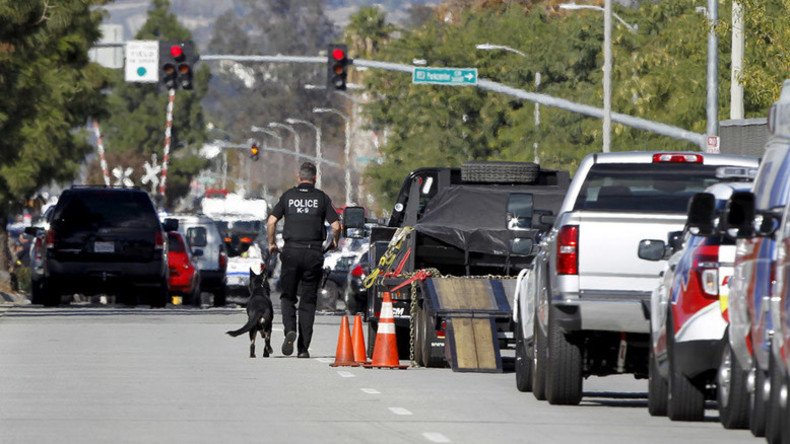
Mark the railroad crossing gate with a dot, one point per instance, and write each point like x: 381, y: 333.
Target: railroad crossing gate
x: 471, y: 307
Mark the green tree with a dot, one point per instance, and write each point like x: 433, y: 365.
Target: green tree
x: 49, y: 89
x: 137, y: 122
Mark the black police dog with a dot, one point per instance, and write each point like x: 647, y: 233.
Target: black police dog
x: 259, y: 313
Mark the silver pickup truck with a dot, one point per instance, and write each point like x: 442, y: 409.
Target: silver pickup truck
x: 584, y: 307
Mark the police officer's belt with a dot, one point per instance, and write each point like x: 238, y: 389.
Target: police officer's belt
x: 305, y: 244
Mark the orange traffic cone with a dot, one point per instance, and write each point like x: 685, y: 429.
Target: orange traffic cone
x: 344, y: 355
x: 358, y: 340
x: 385, y: 352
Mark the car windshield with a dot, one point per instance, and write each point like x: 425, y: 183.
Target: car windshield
x: 106, y: 209
x: 652, y: 188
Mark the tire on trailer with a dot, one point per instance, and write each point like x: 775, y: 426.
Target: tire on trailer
x: 432, y: 356
x: 417, y: 322
x: 731, y: 393
x: 499, y: 172
x: 657, y: 388
x: 539, y: 363
x: 372, y: 328
x: 523, y: 361
x: 564, y: 367
x: 686, y: 400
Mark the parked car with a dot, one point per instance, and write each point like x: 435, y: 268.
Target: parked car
x: 687, y: 321
x: 590, y: 292
x: 355, y: 294
x: 105, y: 240
x: 184, y: 278
x: 208, y: 249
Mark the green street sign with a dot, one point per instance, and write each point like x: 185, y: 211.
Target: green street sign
x: 445, y: 76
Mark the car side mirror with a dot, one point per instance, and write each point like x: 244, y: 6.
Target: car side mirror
x: 170, y: 224
x: 33, y: 231
x: 547, y: 219
x: 197, y: 252
x: 354, y: 222
x: 675, y: 241
x: 521, y: 246
x: 739, y: 215
x: 652, y: 249
x: 701, y: 213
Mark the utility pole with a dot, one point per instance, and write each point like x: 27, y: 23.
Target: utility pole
x: 607, y: 75
x: 712, y: 111
x: 537, y: 121
x: 736, y: 88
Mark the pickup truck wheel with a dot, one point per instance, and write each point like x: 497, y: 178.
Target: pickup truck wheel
x: 564, y: 370
x: 220, y: 297
x: 757, y: 402
x: 686, y: 400
x: 731, y: 394
x: 657, y: 388
x: 51, y: 297
x: 159, y: 296
x: 523, y: 361
x: 37, y: 292
x: 773, y: 420
x: 539, y: 363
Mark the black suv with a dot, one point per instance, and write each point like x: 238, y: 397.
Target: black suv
x: 105, y: 240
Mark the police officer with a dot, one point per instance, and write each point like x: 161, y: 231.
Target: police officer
x: 305, y: 208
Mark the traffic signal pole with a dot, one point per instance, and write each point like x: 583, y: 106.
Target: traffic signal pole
x: 171, y: 98
x: 543, y: 99
x: 100, y: 149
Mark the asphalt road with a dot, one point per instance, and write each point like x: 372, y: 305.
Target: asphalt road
x: 102, y: 374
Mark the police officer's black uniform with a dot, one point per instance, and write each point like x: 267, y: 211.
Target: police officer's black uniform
x: 305, y: 208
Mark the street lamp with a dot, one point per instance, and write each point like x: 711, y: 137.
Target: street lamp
x: 346, y: 150
x: 492, y: 47
x: 317, y: 130
x: 607, y: 63
x: 257, y: 129
x: 291, y: 129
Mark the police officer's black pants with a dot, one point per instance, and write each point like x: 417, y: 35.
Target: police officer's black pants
x: 305, y: 265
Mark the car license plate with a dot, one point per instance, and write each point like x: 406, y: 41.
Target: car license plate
x: 104, y: 247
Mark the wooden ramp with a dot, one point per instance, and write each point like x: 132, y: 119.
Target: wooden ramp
x: 471, y: 308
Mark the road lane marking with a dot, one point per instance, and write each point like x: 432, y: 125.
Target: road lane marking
x: 371, y: 391
x: 325, y: 360
x: 345, y: 374
x: 400, y: 411
x: 435, y: 437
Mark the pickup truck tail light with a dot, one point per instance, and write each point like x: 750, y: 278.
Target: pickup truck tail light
x: 677, y: 158
x: 223, y: 261
x: 50, y: 240
x: 706, y: 262
x: 568, y: 250
x: 159, y: 241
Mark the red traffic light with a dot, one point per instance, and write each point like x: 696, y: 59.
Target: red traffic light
x: 338, y: 54
x: 176, y: 51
